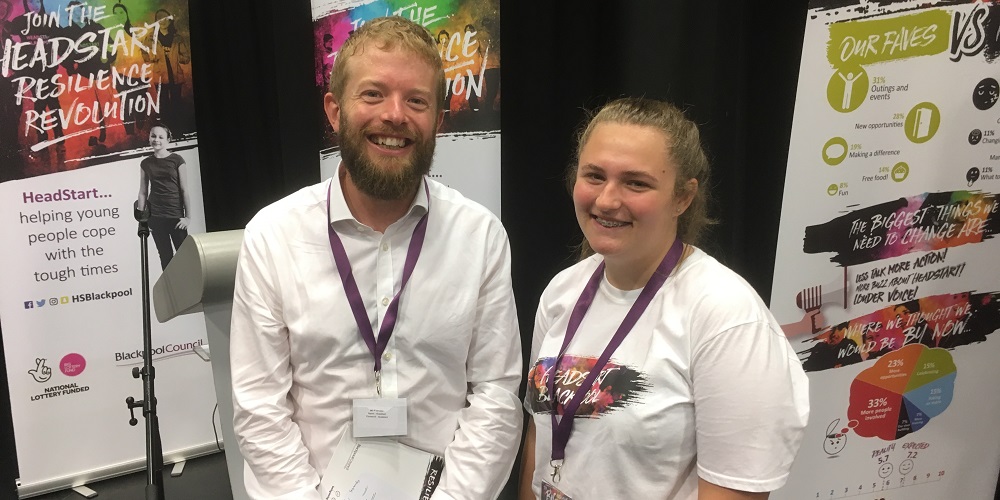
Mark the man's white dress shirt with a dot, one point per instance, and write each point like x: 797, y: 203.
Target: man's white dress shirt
x: 298, y: 360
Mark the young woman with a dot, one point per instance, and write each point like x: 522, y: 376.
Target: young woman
x: 163, y: 186
x: 656, y: 372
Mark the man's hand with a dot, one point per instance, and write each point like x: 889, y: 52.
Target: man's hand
x: 41, y: 373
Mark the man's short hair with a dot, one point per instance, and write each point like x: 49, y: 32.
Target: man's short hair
x: 387, y: 33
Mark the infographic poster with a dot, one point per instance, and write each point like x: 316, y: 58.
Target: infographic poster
x: 96, y: 113
x: 886, y: 280
x: 467, y: 32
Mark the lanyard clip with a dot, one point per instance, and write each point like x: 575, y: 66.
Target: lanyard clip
x: 378, y: 382
x: 556, y: 465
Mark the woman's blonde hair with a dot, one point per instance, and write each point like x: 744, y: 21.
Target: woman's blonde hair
x: 684, y: 147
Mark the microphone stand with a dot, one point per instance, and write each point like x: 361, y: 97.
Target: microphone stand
x: 154, y: 449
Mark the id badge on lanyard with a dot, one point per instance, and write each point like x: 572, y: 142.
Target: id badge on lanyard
x: 562, y: 428
x: 550, y: 492
x: 377, y: 417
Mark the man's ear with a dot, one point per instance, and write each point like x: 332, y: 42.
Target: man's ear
x: 440, y: 124
x: 332, y: 108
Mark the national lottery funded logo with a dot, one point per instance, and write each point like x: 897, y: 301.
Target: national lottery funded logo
x: 78, y: 298
x: 70, y: 365
x: 40, y: 372
x: 56, y: 391
x: 124, y: 358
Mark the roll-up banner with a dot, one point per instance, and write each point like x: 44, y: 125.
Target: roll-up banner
x: 885, y: 278
x: 467, y: 156
x: 96, y: 112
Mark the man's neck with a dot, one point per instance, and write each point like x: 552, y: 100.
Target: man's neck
x: 372, y: 212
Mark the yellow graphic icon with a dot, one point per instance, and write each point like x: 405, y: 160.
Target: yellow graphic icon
x: 922, y: 122
x: 847, y: 88
x: 900, y: 171
x: 834, y: 151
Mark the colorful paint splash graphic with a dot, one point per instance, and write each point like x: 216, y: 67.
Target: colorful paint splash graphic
x: 930, y: 221
x: 945, y: 321
x: 81, y: 82
x: 616, y: 387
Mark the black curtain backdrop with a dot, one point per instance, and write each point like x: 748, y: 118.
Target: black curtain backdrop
x: 732, y: 65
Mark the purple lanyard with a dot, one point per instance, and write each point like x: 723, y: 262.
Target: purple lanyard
x: 562, y: 428
x: 376, y: 347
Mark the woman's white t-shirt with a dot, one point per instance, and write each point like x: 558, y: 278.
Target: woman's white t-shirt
x: 705, y: 384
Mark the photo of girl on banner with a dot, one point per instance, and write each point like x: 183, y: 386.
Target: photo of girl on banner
x: 163, y: 187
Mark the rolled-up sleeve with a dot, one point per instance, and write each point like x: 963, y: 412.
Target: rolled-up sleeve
x: 277, y: 461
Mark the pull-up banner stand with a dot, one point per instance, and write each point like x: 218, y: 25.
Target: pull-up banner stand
x: 886, y: 278
x: 96, y: 112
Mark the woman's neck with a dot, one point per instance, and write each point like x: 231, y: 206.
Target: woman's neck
x: 632, y: 275
x: 163, y: 153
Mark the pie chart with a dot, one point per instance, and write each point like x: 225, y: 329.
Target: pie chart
x: 902, y: 392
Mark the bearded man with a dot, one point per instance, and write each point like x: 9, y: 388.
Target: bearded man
x: 377, y: 286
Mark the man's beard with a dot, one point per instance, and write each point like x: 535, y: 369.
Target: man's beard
x: 395, y: 178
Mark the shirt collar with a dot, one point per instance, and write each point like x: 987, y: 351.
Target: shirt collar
x: 339, y: 210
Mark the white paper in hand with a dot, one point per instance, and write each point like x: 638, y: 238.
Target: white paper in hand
x: 380, y: 468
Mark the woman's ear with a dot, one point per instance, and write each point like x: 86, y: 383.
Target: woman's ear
x: 686, y: 196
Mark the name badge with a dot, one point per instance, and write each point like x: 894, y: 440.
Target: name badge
x: 379, y: 417
x: 550, y: 492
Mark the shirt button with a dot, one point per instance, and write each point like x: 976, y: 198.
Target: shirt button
x: 385, y: 247
x: 385, y: 301
x: 387, y: 356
